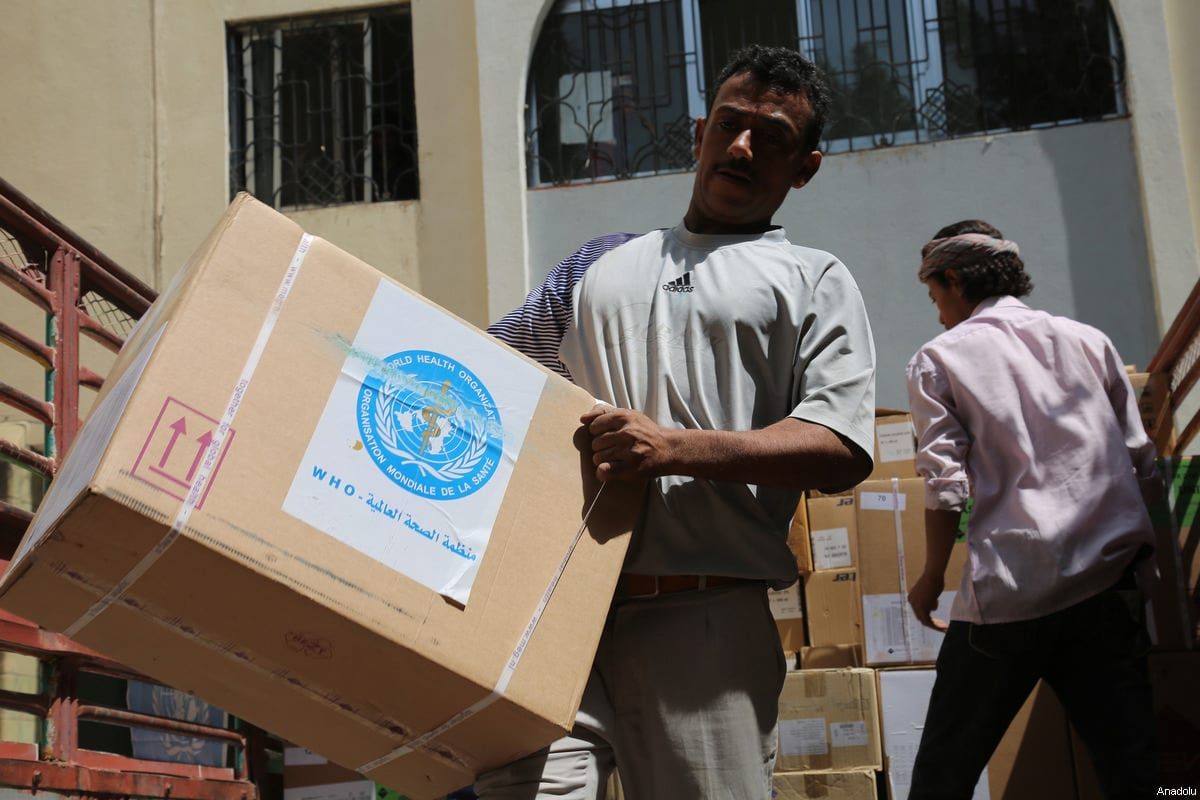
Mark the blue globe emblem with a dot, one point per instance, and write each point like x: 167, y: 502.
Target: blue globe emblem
x: 430, y: 425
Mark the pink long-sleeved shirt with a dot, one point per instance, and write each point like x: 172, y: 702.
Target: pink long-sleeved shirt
x: 1033, y: 417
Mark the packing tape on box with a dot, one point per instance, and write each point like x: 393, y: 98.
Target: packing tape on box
x: 900, y: 565
x: 205, y: 470
x: 422, y: 741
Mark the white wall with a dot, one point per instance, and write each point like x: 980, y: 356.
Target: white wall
x: 1079, y: 226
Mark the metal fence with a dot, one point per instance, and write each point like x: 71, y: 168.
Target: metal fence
x: 615, y: 85
x: 322, y: 109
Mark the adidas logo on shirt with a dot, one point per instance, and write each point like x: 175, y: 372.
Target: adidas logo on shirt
x: 681, y: 284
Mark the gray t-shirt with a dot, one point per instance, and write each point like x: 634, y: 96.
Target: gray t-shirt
x: 709, y: 332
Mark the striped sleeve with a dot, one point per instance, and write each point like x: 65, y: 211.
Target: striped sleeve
x: 537, y: 327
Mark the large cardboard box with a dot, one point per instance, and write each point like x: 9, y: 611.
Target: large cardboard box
x: 833, y: 607
x: 891, y: 547
x: 832, y: 531
x: 828, y: 720
x: 892, y: 555
x: 853, y: 784
x: 1033, y: 760
x: 323, y: 504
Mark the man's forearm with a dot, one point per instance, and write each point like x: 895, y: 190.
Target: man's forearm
x: 789, y: 453
x: 941, y: 529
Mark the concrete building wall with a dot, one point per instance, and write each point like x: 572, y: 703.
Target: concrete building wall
x: 1080, y: 228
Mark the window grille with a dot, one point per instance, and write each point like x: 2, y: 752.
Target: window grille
x: 615, y: 84
x: 321, y: 109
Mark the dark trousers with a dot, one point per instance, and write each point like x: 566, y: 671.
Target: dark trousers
x: 1094, y: 657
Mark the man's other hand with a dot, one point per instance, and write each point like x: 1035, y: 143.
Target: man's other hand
x: 923, y: 597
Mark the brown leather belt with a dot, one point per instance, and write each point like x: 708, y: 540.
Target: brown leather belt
x: 634, y: 586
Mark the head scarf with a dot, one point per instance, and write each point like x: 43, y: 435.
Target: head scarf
x: 939, y: 255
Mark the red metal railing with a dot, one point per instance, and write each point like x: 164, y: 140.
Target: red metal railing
x: 72, y: 279
x: 1178, y: 356
x: 82, y: 294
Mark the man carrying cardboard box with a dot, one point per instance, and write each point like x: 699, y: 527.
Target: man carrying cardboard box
x: 734, y: 370
x: 1032, y: 416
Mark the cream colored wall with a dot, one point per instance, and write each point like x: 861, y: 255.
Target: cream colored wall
x: 192, y: 187
x: 1173, y: 257
x: 1183, y: 29
x: 76, y: 91
x: 123, y: 136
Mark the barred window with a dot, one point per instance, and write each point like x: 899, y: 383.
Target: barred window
x: 615, y: 84
x: 321, y: 109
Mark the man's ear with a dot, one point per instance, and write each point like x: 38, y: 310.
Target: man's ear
x: 806, y: 169
x: 698, y: 137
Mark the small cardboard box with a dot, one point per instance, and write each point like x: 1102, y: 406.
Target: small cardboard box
x: 832, y: 531
x: 852, y: 784
x: 891, y: 547
x: 828, y: 720
x: 833, y: 607
x: 316, y: 500
x: 895, y: 446
x: 1032, y: 760
x: 787, y: 606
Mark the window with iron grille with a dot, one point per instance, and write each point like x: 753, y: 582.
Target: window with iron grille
x: 321, y: 109
x: 615, y: 84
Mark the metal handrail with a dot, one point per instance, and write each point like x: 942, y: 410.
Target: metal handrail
x: 73, y: 271
x: 72, y: 279
x: 1178, y: 356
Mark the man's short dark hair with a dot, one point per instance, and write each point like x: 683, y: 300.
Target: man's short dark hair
x: 1001, y: 274
x: 784, y: 70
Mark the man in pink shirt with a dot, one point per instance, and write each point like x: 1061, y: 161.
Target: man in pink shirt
x: 1032, y: 417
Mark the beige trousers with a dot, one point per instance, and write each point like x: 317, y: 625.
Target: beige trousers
x: 683, y: 701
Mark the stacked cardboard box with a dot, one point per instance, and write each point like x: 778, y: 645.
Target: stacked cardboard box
x: 895, y: 445
x: 829, y: 744
x: 891, y: 543
x: 787, y: 605
x: 850, y: 784
x: 321, y: 503
x: 1031, y: 761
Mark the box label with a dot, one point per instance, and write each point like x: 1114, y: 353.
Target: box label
x: 302, y: 757
x: 803, y: 737
x: 884, y: 629
x: 848, y: 734
x: 831, y: 548
x: 883, y: 501
x: 413, y: 453
x: 896, y: 441
x: 177, y: 442
x: 786, y: 603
